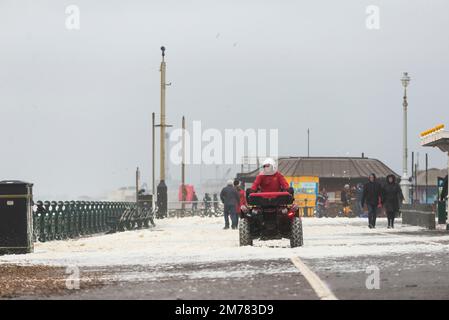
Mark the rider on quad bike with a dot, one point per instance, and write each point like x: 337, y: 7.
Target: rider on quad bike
x: 270, y: 180
x: 270, y: 213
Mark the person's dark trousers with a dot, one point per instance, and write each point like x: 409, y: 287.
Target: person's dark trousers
x: 232, y: 211
x: 372, y: 215
x: 391, y: 216
x: 235, y: 219
x: 229, y: 210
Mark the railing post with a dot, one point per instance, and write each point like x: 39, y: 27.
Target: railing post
x: 68, y: 219
x: 54, y: 220
x: 61, y: 221
x: 78, y: 217
x: 89, y: 218
x: 48, y: 220
x: 82, y: 219
x: 73, y: 220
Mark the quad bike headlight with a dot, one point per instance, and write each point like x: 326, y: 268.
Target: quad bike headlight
x: 284, y: 211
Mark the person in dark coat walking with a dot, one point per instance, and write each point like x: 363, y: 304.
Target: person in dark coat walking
x: 194, y: 202
x: 231, y: 199
x: 321, y: 201
x: 206, y: 200
x: 444, y: 191
x: 242, y: 201
x: 392, y: 198
x: 372, y: 197
x: 345, y: 198
x: 358, y: 201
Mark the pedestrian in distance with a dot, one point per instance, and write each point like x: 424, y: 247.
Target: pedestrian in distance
x: 321, y: 200
x: 358, y: 199
x: 444, y: 191
x: 392, y: 198
x: 242, y: 201
x: 231, y: 199
x: 345, y: 198
x: 372, y: 196
x: 194, y: 202
x: 207, y: 204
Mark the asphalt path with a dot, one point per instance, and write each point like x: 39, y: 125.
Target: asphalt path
x: 331, y: 265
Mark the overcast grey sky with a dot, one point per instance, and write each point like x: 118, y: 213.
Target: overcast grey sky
x: 75, y: 105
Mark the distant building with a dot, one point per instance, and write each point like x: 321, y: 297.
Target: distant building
x: 127, y: 194
x: 311, y: 174
x: 86, y: 198
x: 419, y: 188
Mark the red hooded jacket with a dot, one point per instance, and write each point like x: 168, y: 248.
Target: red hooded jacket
x: 270, y: 183
x: 242, y: 200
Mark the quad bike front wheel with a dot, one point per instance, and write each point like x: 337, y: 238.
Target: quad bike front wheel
x: 245, y: 233
x: 296, y: 238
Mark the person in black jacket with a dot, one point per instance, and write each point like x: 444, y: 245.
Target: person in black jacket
x: 194, y: 202
x: 231, y: 199
x: 444, y: 191
x: 358, y: 196
x: 345, y: 200
x: 345, y: 196
x: 392, y: 198
x: 372, y: 197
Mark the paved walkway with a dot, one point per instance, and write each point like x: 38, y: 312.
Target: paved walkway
x: 193, y: 258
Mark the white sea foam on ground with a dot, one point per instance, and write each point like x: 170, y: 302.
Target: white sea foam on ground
x: 202, y: 240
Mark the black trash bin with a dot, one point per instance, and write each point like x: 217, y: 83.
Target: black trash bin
x: 16, y: 217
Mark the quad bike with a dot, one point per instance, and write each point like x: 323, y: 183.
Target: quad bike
x: 270, y: 215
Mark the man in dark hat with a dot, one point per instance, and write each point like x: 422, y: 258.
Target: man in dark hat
x: 372, y: 197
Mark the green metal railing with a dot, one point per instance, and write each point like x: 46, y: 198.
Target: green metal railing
x: 73, y: 219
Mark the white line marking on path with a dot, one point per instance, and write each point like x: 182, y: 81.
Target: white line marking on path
x: 320, y: 288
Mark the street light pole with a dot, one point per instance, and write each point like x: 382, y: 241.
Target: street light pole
x: 153, y: 184
x: 405, y: 184
x: 137, y: 183
x: 162, y: 137
x: 183, y: 167
x: 162, y: 200
x: 308, y: 142
x: 427, y: 177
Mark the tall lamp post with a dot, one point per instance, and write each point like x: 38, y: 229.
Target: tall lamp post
x: 153, y: 156
x: 183, y: 167
x: 308, y: 142
x: 405, y: 183
x: 162, y: 201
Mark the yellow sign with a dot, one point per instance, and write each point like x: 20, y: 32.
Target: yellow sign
x: 433, y: 130
x: 306, y: 189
